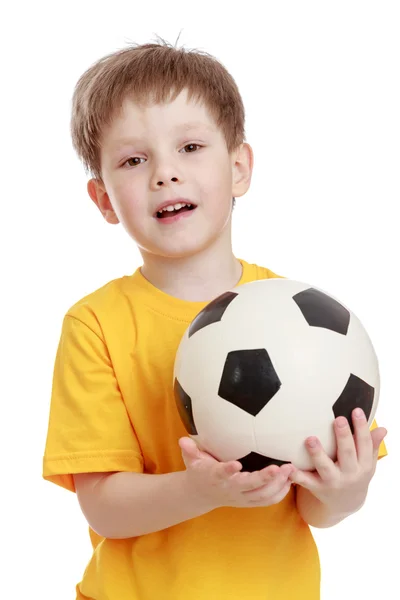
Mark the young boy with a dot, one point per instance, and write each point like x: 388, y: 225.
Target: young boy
x: 162, y: 132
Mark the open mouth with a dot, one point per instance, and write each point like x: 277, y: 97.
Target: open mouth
x: 171, y: 211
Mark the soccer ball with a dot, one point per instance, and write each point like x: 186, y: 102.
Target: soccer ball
x: 266, y: 365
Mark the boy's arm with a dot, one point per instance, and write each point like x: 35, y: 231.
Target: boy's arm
x: 125, y: 504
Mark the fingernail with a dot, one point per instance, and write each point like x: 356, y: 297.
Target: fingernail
x: 341, y: 422
x: 312, y: 442
x: 358, y: 413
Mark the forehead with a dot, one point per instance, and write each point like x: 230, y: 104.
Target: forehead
x: 136, y: 122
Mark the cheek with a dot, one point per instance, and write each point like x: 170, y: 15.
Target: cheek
x: 218, y: 182
x: 129, y: 201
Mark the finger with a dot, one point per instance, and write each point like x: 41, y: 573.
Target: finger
x: 324, y: 466
x: 377, y: 435
x: 273, y: 484
x: 273, y: 470
x: 268, y: 495
x: 192, y: 454
x: 228, y: 469
x: 346, y: 449
x: 189, y: 447
x: 279, y: 496
x: 287, y: 469
x: 362, y: 439
x: 249, y: 481
x: 190, y: 450
x: 307, y: 479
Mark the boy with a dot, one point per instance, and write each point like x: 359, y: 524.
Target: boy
x: 167, y: 520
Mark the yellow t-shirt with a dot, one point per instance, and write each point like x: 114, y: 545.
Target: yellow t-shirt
x: 113, y: 409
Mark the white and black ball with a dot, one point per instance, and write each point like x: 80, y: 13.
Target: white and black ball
x: 266, y: 365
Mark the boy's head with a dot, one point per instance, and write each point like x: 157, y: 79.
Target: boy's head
x: 154, y: 124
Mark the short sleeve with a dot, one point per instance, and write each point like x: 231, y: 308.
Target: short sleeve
x: 382, y: 448
x: 89, y: 429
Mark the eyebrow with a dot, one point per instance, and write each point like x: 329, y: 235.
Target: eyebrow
x: 182, y: 127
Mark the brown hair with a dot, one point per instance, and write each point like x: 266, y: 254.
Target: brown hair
x: 154, y: 72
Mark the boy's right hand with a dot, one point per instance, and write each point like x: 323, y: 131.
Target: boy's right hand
x: 222, y: 484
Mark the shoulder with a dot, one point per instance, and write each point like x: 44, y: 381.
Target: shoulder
x: 104, y: 303
x: 255, y: 272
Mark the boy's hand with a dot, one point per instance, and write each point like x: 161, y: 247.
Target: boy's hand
x: 343, y: 485
x: 222, y: 484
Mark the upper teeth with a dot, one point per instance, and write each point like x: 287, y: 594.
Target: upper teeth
x: 172, y: 207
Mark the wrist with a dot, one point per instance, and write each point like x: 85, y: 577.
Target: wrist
x: 318, y: 513
x: 348, y: 505
x: 201, y: 501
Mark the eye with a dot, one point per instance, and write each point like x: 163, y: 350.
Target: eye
x: 133, y: 158
x: 188, y: 146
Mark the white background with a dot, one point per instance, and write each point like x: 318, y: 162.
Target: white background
x: 320, y: 83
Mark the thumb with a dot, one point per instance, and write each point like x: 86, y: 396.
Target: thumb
x: 378, y: 434
x: 190, y: 450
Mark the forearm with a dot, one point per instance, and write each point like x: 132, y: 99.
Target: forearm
x: 133, y: 504
x: 319, y: 515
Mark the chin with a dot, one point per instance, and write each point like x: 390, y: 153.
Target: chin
x: 184, y: 250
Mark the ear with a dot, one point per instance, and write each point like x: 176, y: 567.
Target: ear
x: 242, y: 169
x: 98, y: 194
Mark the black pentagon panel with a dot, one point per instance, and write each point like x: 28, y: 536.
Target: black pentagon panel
x: 212, y: 313
x: 184, y: 404
x: 356, y: 394
x: 256, y: 462
x: 320, y: 310
x: 249, y: 380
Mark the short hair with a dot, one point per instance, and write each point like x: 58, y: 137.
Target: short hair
x: 153, y: 72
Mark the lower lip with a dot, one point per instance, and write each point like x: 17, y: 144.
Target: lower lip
x: 174, y: 218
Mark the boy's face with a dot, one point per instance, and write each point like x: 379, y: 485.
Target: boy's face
x: 148, y: 158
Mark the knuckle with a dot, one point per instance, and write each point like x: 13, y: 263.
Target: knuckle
x: 335, y: 484
x: 280, y: 496
x: 274, y: 494
x: 220, y: 476
x: 325, y: 472
x: 356, y: 477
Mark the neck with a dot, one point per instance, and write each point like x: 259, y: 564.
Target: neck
x: 197, y: 278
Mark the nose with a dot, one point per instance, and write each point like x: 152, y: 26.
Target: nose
x: 165, y: 169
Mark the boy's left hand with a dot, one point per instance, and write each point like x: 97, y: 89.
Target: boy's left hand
x: 343, y: 484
